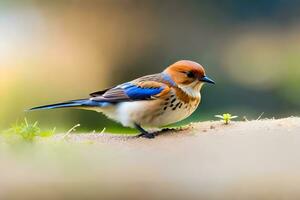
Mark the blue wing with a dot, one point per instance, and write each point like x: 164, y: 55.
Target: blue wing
x: 135, y: 92
x: 142, y: 88
x: 128, y: 92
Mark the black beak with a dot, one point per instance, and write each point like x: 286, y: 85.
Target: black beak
x: 206, y: 80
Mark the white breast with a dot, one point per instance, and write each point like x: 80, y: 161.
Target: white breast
x: 149, y: 113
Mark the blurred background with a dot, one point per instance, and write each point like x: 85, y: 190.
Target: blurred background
x: 52, y: 51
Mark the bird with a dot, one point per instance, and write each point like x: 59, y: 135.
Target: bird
x: 153, y: 100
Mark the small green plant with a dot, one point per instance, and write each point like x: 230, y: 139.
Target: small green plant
x: 28, y: 131
x: 226, y: 117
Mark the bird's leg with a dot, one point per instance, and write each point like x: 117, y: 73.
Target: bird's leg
x: 144, y: 133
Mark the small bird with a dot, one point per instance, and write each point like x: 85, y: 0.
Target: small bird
x: 150, y: 101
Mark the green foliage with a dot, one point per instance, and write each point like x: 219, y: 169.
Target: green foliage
x: 226, y: 117
x: 27, y: 131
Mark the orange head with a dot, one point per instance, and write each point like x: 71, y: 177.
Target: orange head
x: 188, y: 73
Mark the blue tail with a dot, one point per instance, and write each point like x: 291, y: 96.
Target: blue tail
x: 74, y: 103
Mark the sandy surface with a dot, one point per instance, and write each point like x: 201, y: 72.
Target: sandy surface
x: 208, y: 160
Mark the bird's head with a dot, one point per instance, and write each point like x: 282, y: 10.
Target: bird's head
x: 188, y: 74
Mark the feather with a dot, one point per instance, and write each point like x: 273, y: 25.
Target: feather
x: 99, y: 93
x: 74, y: 103
x: 144, y: 88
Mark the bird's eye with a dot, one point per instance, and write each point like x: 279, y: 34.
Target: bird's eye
x: 190, y: 74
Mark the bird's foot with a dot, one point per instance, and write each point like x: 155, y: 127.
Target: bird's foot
x: 144, y: 133
x: 147, y: 135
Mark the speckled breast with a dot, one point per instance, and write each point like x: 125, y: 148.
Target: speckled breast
x: 170, y: 110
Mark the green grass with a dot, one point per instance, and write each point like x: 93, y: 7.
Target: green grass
x: 27, y: 131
